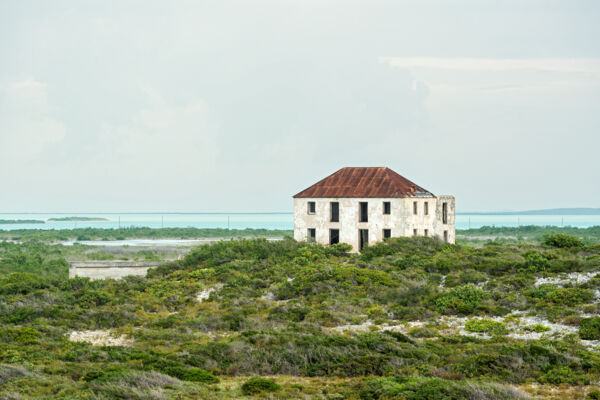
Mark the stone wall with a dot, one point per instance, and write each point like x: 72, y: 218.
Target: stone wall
x: 402, y: 221
x: 109, y: 269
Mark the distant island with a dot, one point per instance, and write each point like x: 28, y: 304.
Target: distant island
x: 21, y: 221
x: 552, y: 211
x: 62, y: 219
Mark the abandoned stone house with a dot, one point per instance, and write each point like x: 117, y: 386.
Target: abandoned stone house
x: 361, y: 206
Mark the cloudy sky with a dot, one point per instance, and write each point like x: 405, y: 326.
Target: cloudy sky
x: 237, y: 105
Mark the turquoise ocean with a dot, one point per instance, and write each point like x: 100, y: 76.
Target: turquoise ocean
x: 263, y: 220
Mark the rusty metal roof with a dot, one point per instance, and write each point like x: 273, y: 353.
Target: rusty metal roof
x: 365, y: 182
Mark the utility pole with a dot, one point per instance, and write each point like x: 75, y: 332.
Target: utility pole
x: 162, y: 221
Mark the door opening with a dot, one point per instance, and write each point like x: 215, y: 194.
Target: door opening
x: 363, y: 238
x: 334, y: 236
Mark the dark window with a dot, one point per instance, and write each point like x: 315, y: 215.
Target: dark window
x: 426, y: 233
x: 444, y: 213
x: 387, y: 207
x: 415, y: 207
x: 414, y: 232
x: 334, y: 236
x: 364, y: 212
x: 312, y: 234
x: 363, y: 238
x: 446, y: 236
x: 426, y: 209
x: 311, y: 207
x: 335, y: 212
x: 387, y: 233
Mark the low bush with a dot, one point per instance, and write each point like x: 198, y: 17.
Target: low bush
x: 482, y: 364
x: 179, y: 370
x: 417, y: 388
x: 22, y: 336
x: 421, y: 332
x: 589, y: 328
x: 486, y: 326
x: 535, y: 261
x: 571, y: 296
x: 259, y: 385
x: 562, y: 240
x: 461, y: 300
x: 560, y: 375
x: 538, y: 328
x: 21, y: 283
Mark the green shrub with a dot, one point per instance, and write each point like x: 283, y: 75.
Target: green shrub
x: 106, y: 374
x: 338, y: 249
x: 539, y: 328
x: 289, y: 313
x: 421, y: 332
x: 461, y: 300
x: 559, y: 375
x: 92, y: 376
x: 21, y: 283
x: 593, y: 395
x: 179, y: 370
x: 191, y: 374
x: 485, y: 326
x: 100, y: 255
x: 561, y: 296
x: 419, y: 388
x: 258, y: 385
x: 535, y: 261
x: 480, y: 364
x: 22, y: 336
x: 376, y: 312
x: 87, y: 298
x: 562, y: 240
x: 571, y: 296
x: 194, y: 374
x: 399, y: 336
x: 589, y: 328
x: 471, y: 277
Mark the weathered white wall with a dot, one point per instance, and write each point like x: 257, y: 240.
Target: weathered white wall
x: 451, y: 223
x: 109, y: 269
x: 401, y: 221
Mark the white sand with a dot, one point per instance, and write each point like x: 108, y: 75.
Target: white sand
x: 100, y: 338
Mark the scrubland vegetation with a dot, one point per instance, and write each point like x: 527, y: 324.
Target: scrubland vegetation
x: 136, y: 233
x: 411, y: 318
x: 478, y: 236
x: 527, y: 233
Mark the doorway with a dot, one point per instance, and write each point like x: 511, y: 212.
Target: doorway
x: 363, y: 238
x: 334, y: 236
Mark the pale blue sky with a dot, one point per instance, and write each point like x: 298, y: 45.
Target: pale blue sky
x: 237, y: 105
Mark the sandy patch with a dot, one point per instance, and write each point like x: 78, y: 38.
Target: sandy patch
x: 205, y: 293
x: 100, y: 338
x: 516, y: 325
x: 576, y: 278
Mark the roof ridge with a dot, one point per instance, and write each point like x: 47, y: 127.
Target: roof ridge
x: 363, y: 182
